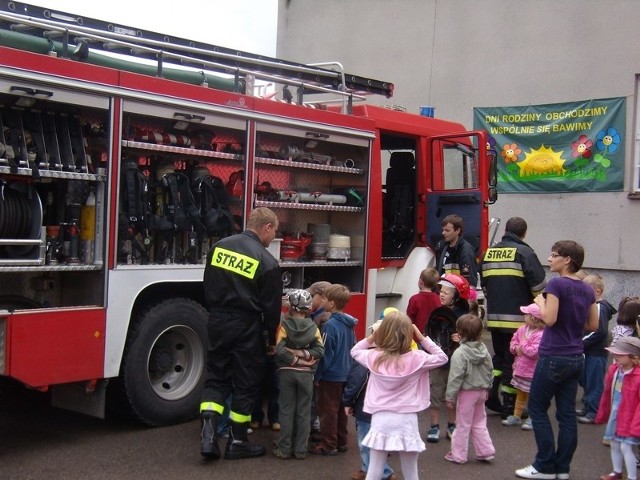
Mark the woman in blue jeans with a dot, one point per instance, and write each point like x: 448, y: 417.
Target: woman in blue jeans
x: 568, y: 307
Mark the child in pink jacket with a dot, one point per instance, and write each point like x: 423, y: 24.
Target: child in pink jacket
x: 524, y: 347
x: 620, y: 407
x: 398, y: 389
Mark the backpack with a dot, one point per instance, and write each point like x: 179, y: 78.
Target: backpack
x: 135, y: 215
x: 134, y: 201
x: 211, y: 200
x: 179, y: 205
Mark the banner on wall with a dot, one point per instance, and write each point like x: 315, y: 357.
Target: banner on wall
x: 560, y: 147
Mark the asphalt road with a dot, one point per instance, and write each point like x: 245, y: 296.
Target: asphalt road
x: 41, y: 442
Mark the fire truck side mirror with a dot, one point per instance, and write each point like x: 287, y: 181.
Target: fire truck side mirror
x: 493, y: 177
x: 493, y: 195
x: 493, y: 168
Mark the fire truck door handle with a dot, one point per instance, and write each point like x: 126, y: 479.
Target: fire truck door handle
x: 27, y: 90
x: 43, y: 93
x: 188, y: 116
x: 31, y: 91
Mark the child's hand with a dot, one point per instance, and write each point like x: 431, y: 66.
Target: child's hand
x: 295, y: 352
x: 307, y: 363
x: 371, y: 339
x: 451, y: 404
x: 418, y: 334
x: 519, y: 350
x: 348, y: 411
x: 455, y: 337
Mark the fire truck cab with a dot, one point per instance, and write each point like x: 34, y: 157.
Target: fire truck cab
x: 117, y: 176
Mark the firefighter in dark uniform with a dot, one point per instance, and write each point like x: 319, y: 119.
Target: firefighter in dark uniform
x: 512, y: 276
x: 454, y: 254
x: 243, y: 290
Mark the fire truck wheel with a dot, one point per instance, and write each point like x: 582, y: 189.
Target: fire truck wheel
x: 163, y: 368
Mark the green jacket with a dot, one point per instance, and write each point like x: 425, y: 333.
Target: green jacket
x: 470, y: 369
x: 298, y: 334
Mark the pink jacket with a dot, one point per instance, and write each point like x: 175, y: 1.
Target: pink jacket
x: 529, y: 339
x: 628, y: 421
x: 402, y: 386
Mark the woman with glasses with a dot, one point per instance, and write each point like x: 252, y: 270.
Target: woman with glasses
x: 568, y: 307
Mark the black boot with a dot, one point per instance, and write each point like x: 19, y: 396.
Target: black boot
x: 208, y: 441
x: 493, y: 402
x: 508, y: 404
x: 238, y: 445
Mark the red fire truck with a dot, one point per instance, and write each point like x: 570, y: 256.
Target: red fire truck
x: 125, y: 154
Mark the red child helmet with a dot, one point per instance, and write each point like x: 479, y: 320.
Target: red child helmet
x: 458, y: 282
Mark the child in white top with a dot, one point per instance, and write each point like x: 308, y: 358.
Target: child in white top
x: 628, y: 312
x: 398, y: 389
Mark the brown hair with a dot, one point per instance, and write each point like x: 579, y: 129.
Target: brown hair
x: 393, y: 337
x: 338, y: 294
x: 517, y: 226
x: 571, y: 249
x: 628, y: 311
x: 455, y: 220
x: 430, y: 277
x: 469, y: 327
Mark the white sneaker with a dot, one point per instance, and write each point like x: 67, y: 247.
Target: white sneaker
x: 512, y: 421
x: 562, y: 476
x: 530, y: 472
x: 526, y: 425
x: 433, y: 435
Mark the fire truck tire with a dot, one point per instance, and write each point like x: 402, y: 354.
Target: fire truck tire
x: 162, y: 373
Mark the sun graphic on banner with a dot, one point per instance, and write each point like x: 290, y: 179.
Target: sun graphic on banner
x: 543, y: 161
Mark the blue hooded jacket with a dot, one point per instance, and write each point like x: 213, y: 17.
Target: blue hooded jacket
x: 355, y: 390
x: 338, y: 337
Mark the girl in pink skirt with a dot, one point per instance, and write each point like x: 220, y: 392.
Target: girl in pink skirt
x: 398, y: 389
x: 524, y: 347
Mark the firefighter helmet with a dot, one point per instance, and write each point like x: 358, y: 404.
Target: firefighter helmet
x: 300, y: 300
x: 458, y: 282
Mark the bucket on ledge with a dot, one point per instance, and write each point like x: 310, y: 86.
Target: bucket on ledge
x: 428, y: 111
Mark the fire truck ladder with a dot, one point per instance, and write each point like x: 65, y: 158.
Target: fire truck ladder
x: 75, y: 37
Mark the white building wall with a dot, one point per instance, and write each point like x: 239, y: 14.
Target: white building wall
x: 460, y: 54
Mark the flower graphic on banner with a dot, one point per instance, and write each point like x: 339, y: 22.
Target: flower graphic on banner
x: 581, y: 151
x: 510, y: 152
x: 607, y: 142
x: 582, y: 148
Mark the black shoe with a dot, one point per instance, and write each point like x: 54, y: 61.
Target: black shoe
x: 237, y: 449
x: 208, y: 441
x: 239, y: 446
